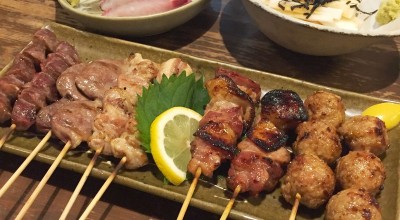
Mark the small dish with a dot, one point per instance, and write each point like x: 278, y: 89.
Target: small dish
x: 89, y: 14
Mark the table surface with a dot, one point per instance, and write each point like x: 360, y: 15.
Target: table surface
x: 223, y: 32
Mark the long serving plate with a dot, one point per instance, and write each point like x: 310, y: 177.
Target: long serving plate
x: 211, y: 195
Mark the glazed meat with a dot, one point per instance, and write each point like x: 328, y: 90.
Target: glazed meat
x: 257, y: 167
x: 253, y: 173
x: 222, y: 125
x: 284, y: 108
x: 23, y: 69
x: 311, y: 177
x: 318, y: 138
x: 325, y: 106
x: 230, y: 112
x: 215, y: 140
x: 365, y: 133
x: 361, y: 169
x: 266, y: 136
x: 224, y: 88
x: 73, y: 121
x: 353, y: 204
x: 245, y: 84
x: 42, y: 89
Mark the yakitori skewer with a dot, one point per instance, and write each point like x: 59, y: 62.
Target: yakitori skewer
x: 229, y: 113
x: 122, y: 142
x: 258, y: 165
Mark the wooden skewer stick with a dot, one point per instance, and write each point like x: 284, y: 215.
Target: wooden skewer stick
x: 295, y: 207
x: 25, y: 164
x: 43, y: 181
x: 189, y: 194
x: 6, y: 135
x: 230, y: 203
x: 80, y: 184
x: 102, y: 189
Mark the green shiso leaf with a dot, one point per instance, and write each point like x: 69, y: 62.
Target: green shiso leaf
x: 177, y: 90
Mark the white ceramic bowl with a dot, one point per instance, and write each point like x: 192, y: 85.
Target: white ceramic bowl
x: 309, y: 38
x: 134, y: 26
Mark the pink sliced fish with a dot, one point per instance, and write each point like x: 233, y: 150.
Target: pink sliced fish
x: 123, y: 8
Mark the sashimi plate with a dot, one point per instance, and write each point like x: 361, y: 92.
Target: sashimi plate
x: 211, y: 195
x: 88, y: 12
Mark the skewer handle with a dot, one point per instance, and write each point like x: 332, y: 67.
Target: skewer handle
x: 80, y: 184
x: 295, y: 207
x: 230, y: 203
x: 43, y: 181
x: 189, y: 194
x: 25, y: 164
x: 6, y: 135
x: 102, y: 189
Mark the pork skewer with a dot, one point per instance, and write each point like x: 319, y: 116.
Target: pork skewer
x: 259, y: 164
x: 229, y: 113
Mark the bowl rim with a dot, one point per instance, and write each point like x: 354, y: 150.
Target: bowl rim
x: 319, y: 26
x: 190, y: 4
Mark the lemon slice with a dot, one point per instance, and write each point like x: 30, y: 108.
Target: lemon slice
x: 170, y: 135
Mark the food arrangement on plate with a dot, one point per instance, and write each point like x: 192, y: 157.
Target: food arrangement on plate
x: 101, y: 100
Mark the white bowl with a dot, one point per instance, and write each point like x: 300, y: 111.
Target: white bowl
x: 309, y: 38
x: 134, y: 26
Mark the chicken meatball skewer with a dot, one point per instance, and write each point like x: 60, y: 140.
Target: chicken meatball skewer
x: 227, y: 116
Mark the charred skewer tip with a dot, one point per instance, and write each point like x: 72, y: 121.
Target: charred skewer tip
x: 295, y: 207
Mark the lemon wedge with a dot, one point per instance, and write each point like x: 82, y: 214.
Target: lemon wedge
x: 387, y: 112
x: 170, y: 135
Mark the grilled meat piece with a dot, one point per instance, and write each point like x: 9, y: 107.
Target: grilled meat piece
x: 311, y: 177
x: 66, y: 85
x: 361, y: 169
x: 43, y: 117
x: 222, y: 125
x: 284, y: 108
x: 365, y: 133
x: 318, y: 138
x: 353, y: 204
x: 265, y: 135
x: 207, y: 157
x: 23, y: 69
x: 245, y: 84
x: 325, y: 106
x: 224, y: 88
x: 253, y: 173
x: 42, y: 89
x: 173, y: 66
x: 73, y: 121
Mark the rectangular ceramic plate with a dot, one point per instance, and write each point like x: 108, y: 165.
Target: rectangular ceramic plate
x: 211, y: 197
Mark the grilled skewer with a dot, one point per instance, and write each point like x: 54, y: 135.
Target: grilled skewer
x: 229, y: 113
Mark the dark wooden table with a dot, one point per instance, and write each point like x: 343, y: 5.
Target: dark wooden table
x: 223, y: 32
